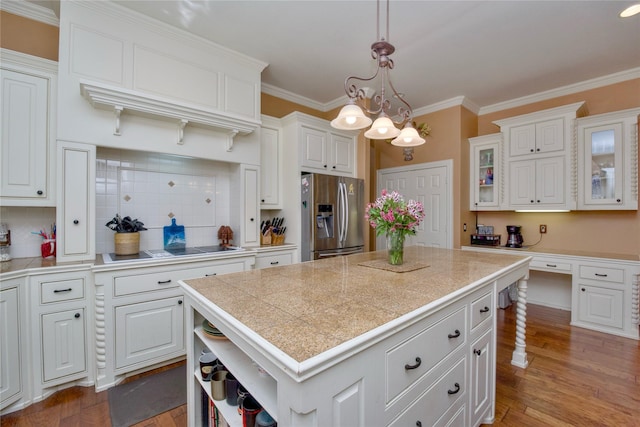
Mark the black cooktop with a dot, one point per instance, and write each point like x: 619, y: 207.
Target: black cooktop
x: 139, y: 255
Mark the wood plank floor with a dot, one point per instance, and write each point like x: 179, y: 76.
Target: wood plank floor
x: 575, y: 377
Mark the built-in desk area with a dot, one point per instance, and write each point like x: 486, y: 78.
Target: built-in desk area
x: 600, y: 289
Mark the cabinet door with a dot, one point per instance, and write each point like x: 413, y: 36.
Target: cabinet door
x: 522, y: 140
x: 341, y: 150
x: 148, y: 330
x: 522, y: 184
x: 75, y: 215
x: 481, y: 377
x: 251, y: 209
x: 314, y: 148
x: 602, y: 171
x: 485, y: 176
x: 63, y: 344
x: 601, y: 306
x: 550, y: 175
x: 270, y: 168
x: 25, y: 138
x: 550, y: 136
x: 10, y: 350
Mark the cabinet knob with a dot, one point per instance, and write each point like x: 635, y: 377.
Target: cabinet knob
x: 583, y: 289
x: 76, y: 222
x: 537, y: 201
x: 531, y: 150
x: 531, y: 201
x: 40, y: 192
x: 180, y: 302
x: 77, y: 315
x: 251, y: 219
x: 477, y: 352
x: 262, y: 200
x: 418, y: 423
x: 454, y: 391
x: 325, y: 166
x: 537, y: 149
x: 333, y: 167
x: 618, y: 200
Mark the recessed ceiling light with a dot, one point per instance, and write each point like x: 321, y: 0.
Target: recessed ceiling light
x: 630, y: 11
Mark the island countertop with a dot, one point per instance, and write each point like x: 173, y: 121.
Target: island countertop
x: 306, y: 309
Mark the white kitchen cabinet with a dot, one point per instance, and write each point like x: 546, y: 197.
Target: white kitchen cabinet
x: 60, y: 337
x: 275, y: 256
x: 486, y: 172
x: 600, y: 305
x: 539, y: 158
x: 63, y: 343
x: 148, y: 330
x: 250, y: 209
x: 140, y: 312
x: 11, y: 349
x: 75, y: 215
x: 28, y: 91
x: 322, y: 149
x: 608, y: 161
x: 271, y: 165
x: 536, y: 183
x: 482, y: 377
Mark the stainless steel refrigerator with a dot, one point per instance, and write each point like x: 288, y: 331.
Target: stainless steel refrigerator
x: 332, y: 216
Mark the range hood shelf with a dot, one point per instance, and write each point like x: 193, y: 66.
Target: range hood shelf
x: 119, y: 100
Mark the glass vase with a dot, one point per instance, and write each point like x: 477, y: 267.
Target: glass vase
x: 395, y: 247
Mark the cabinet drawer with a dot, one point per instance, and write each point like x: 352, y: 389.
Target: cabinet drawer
x: 435, y: 402
x: 273, y: 260
x: 63, y: 290
x: 602, y: 274
x: 550, y: 265
x: 481, y: 309
x: 137, y: 283
x: 409, y: 361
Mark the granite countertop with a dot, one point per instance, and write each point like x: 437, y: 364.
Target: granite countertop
x: 568, y: 252
x: 308, y: 308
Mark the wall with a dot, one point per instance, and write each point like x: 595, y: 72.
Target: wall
x: 615, y: 232
x: 28, y: 36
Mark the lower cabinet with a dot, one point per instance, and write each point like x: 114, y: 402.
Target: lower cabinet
x: 11, y: 355
x: 148, y: 330
x: 482, y: 377
x: 600, y: 306
x: 63, y: 343
x: 275, y: 256
x: 140, y: 313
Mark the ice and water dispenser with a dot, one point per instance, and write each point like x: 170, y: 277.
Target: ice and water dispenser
x: 324, y: 222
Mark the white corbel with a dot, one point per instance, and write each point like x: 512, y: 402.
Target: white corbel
x: 181, y: 126
x: 117, y: 109
x: 230, y: 135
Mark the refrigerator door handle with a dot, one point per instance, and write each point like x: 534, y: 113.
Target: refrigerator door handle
x: 340, y: 215
x: 346, y: 212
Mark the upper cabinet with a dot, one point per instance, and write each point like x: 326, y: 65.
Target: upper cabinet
x: 539, y: 159
x: 486, y: 172
x: 322, y: 149
x: 270, y: 164
x: 28, y: 130
x: 608, y: 161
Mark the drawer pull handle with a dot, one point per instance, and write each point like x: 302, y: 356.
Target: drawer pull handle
x: 600, y: 275
x: 212, y: 274
x: 457, y: 386
x: 484, y: 310
x: 275, y: 263
x: 552, y: 265
x: 455, y: 334
x: 164, y: 282
x: 418, y: 363
x: 77, y: 315
x: 57, y: 291
x: 477, y: 352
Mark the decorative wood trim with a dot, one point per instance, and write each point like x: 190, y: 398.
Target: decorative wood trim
x: 120, y: 100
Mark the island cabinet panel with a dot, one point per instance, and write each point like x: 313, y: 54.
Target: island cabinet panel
x: 432, y: 367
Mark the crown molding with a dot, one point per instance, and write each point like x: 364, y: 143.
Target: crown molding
x: 448, y: 103
x: 12, y: 59
x: 292, y: 97
x: 610, y: 79
x: 31, y: 11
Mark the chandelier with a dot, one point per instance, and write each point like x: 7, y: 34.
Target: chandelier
x: 352, y: 116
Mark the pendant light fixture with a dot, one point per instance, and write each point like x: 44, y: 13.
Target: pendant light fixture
x: 352, y: 116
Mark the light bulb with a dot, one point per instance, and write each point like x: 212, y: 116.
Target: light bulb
x: 350, y: 119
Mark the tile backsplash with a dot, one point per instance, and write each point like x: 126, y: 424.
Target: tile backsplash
x: 154, y: 188
x: 22, y: 221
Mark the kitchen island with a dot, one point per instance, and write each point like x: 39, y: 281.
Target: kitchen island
x: 344, y: 341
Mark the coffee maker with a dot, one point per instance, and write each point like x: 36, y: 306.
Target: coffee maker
x: 515, y: 238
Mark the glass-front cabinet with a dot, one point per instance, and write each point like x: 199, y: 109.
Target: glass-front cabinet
x: 486, y: 179
x: 608, y: 161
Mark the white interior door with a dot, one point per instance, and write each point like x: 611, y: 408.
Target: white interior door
x: 429, y: 183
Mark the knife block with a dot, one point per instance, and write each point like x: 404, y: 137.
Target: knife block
x: 277, y: 239
x: 265, y: 239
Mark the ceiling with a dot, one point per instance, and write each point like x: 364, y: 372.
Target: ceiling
x: 487, y: 51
